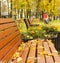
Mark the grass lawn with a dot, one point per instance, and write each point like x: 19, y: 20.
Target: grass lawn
x: 22, y: 26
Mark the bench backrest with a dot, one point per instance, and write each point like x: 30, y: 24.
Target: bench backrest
x: 27, y: 23
x: 9, y: 38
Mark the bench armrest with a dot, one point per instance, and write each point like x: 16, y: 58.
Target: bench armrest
x: 34, y: 24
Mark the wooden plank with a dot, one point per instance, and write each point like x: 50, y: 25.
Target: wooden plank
x: 7, y: 32
x: 5, y: 20
x: 46, y: 48
x: 8, y: 39
x: 40, y: 56
x: 25, y: 52
x: 49, y: 59
x: 57, y: 59
x: 52, y: 48
x: 7, y: 48
x: 11, y: 52
x: 31, y: 56
x: 54, y: 52
x: 5, y: 26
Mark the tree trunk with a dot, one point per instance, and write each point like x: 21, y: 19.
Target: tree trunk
x: 0, y: 9
x: 18, y: 13
x: 8, y: 7
x: 11, y: 8
x: 21, y: 14
x: 28, y: 13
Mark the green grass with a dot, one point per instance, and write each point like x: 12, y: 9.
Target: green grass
x: 55, y: 23
x: 22, y: 25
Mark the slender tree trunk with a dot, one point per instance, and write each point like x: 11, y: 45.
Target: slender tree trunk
x: 42, y: 15
x: 8, y: 7
x: 25, y: 15
x: 37, y: 10
x: 28, y: 13
x: 0, y: 9
x: 11, y: 8
x: 54, y: 5
x: 21, y: 14
x: 18, y: 13
x: 59, y: 17
x: 15, y: 12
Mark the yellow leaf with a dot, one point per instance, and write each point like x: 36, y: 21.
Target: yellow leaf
x: 16, y: 55
x: 20, y: 48
x: 19, y: 59
x: 52, y: 54
x: 44, y: 53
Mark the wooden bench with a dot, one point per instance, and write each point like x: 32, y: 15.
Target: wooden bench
x: 28, y: 24
x: 39, y: 51
x: 35, y: 51
x: 9, y: 38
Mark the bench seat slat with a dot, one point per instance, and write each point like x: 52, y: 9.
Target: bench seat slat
x: 54, y: 51
x: 25, y: 52
x: 31, y: 56
x: 5, y: 26
x: 57, y: 59
x: 46, y: 48
x: 10, y: 30
x: 11, y: 52
x: 52, y: 48
x: 41, y: 58
x: 3, y: 20
x: 9, y: 46
x: 49, y: 59
x: 6, y: 40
